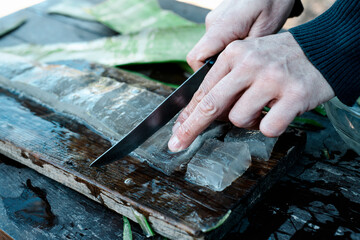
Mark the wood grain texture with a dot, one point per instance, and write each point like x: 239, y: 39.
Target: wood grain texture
x: 4, y: 236
x: 61, y: 148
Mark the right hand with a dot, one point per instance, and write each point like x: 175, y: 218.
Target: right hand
x: 238, y: 19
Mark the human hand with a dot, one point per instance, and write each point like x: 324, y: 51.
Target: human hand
x: 238, y: 19
x: 247, y: 76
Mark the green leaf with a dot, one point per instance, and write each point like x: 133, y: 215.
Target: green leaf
x: 151, y: 79
x: 145, y: 226
x: 148, y: 46
x: 306, y: 124
x: 126, y: 16
x: 127, y: 234
x: 71, y: 8
x: 320, y: 110
x: 358, y: 101
x: 220, y: 222
x: 9, y: 24
x: 303, y: 123
x: 186, y: 67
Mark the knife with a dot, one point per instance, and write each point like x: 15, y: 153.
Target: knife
x: 157, y: 118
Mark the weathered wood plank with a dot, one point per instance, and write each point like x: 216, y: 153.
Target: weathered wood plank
x: 61, y: 149
x: 76, y: 217
x: 4, y: 236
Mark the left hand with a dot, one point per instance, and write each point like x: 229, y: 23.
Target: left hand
x: 247, y: 76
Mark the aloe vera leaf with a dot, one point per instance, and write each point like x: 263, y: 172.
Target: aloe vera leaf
x: 132, y: 16
x: 186, y: 67
x: 358, y: 101
x: 220, y: 222
x: 303, y: 123
x: 148, y: 46
x: 307, y: 124
x: 71, y: 8
x: 151, y: 79
x: 127, y: 234
x: 10, y: 24
x: 320, y: 110
x: 141, y: 220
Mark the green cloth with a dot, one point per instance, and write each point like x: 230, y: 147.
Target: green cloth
x: 10, y: 24
x: 126, y: 16
x: 148, y: 46
x: 74, y: 9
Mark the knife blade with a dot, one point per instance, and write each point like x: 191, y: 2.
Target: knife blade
x: 161, y: 115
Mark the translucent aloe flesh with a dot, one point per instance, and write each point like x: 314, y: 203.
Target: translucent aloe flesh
x: 132, y: 16
x: 148, y: 46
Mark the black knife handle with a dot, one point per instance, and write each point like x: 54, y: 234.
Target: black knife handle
x: 212, y: 59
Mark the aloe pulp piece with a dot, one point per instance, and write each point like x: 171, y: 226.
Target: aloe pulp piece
x: 132, y: 16
x: 148, y: 46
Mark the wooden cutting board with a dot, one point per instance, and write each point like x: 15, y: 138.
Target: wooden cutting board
x: 62, y: 148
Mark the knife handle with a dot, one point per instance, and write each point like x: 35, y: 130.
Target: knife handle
x: 212, y: 59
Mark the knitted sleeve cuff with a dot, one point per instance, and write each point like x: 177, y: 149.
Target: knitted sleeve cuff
x: 332, y: 44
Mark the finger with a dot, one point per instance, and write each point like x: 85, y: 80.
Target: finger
x: 224, y: 116
x: 209, y: 45
x: 278, y: 118
x: 221, y: 96
x: 248, y: 108
x: 217, y: 72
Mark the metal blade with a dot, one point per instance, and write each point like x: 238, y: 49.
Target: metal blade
x: 157, y: 118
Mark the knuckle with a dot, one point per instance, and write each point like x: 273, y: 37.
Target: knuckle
x: 273, y: 77
x: 274, y: 131
x: 191, y: 58
x: 298, y: 92
x: 299, y: 98
x: 229, y: 52
x: 208, y: 107
x: 269, y: 133
x: 209, y: 19
x: 199, y: 94
x: 236, y: 120
x: 184, y: 115
x: 252, y: 58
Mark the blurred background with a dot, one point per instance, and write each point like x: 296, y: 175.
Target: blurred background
x: 313, y: 8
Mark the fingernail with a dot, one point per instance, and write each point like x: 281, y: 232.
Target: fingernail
x: 175, y: 127
x: 174, y: 144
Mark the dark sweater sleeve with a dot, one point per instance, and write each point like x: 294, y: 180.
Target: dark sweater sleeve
x: 332, y: 44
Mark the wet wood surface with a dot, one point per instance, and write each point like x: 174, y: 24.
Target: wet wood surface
x: 4, y: 236
x: 62, y: 149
